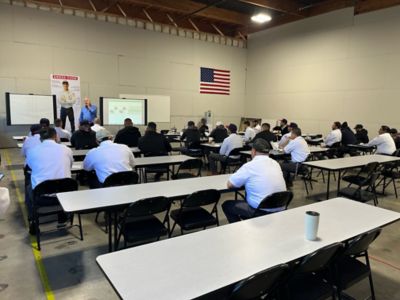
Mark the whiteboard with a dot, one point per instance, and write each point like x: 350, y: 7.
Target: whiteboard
x: 28, y: 109
x: 158, y: 106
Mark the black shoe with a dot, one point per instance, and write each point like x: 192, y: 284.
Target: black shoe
x: 32, y: 228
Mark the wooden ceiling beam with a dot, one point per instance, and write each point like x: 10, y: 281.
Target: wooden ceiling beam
x: 185, y: 7
x: 285, y: 6
x: 371, y: 5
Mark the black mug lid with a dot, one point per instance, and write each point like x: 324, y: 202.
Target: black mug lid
x: 312, y: 213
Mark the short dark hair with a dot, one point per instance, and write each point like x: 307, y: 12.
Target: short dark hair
x: 232, y: 128
x: 345, y: 125
x: 393, y: 131
x: 152, y: 126
x: 246, y: 123
x: 385, y: 128
x: 296, y: 131
x: 293, y: 125
x: 337, y: 124
x: 44, y: 122
x: 128, y: 120
x: 190, y: 124
x: 266, y: 126
x: 84, y: 123
x: 65, y: 82
x: 58, y: 122
x: 260, y: 145
x: 47, y: 133
x: 284, y: 121
x: 35, y: 128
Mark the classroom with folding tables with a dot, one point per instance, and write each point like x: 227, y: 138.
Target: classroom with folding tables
x: 199, y: 149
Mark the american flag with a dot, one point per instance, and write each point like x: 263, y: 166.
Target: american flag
x: 213, y: 81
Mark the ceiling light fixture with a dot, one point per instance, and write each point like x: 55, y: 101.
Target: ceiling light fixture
x: 261, y: 18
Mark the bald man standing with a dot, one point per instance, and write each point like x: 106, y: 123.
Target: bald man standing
x: 88, y: 112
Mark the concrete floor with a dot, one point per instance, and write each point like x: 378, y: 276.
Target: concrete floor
x: 70, y: 266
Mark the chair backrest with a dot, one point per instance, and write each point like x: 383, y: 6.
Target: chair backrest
x: 54, y: 186
x: 276, y: 200
x: 148, y: 206
x: 201, y: 198
x: 64, y: 140
x: 121, y: 178
x: 369, y: 168
x: 361, y: 243
x: 235, y: 151
x: 149, y: 154
x: 319, y: 259
x: 259, y: 284
x: 164, y: 131
x: 191, y: 164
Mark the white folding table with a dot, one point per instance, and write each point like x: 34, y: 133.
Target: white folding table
x: 112, y: 198
x: 193, y: 265
x: 341, y: 164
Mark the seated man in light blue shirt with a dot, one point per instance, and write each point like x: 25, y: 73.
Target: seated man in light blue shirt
x: 88, y: 112
x: 261, y: 177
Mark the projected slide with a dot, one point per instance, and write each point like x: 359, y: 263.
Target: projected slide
x: 114, y: 111
x: 23, y: 109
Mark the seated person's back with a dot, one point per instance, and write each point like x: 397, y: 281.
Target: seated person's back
x: 191, y: 136
x: 153, y: 143
x: 266, y: 134
x: 108, y: 158
x: 361, y: 134
x: 348, y: 136
x: 49, y: 160
x: 129, y: 135
x: 84, y: 138
x: 384, y: 142
x: 219, y: 133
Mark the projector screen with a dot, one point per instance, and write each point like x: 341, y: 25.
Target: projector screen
x: 113, y: 111
x: 29, y: 109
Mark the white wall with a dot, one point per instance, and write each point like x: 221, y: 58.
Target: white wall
x: 331, y: 67
x: 111, y: 60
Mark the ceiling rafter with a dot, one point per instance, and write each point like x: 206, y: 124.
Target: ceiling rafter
x: 285, y: 6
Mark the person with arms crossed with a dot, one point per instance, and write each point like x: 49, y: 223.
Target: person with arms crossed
x: 88, y: 112
x: 384, y: 142
x: 297, y: 147
x: 129, y: 135
x: 233, y: 141
x: 108, y: 158
x: 47, y: 161
x: 67, y: 99
x: 261, y: 177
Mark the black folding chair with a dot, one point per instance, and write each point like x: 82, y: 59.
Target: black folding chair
x: 262, y: 285
x: 348, y: 269
x: 365, y: 191
x: 191, y: 215
x: 234, y: 160
x: 273, y: 201
x: 188, y: 169
x: 158, y: 170
x: 119, y: 179
x: 359, y: 179
x: 139, y: 223
x: 390, y: 174
x: 306, y: 281
x: 45, y: 203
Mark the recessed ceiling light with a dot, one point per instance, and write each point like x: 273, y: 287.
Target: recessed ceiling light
x: 261, y: 18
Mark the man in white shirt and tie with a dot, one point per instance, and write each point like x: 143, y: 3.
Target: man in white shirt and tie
x: 67, y: 99
x: 108, y: 158
x: 261, y: 177
x: 335, y: 136
x: 233, y: 141
x: 299, y: 151
x: 47, y: 161
x: 384, y: 142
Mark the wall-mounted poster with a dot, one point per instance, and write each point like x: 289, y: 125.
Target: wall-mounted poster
x: 67, y: 89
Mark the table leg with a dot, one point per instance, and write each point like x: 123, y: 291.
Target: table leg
x: 328, y: 183
x: 338, y: 182
x: 109, y: 230
x: 115, y: 229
